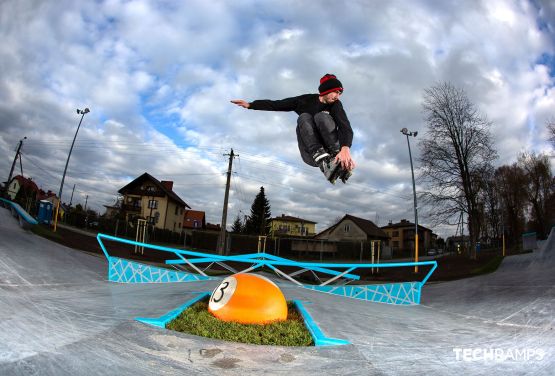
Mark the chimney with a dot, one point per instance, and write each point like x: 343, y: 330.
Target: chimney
x: 167, y: 184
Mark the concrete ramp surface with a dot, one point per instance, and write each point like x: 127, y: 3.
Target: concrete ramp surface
x: 60, y: 316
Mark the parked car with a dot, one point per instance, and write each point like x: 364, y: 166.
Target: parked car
x: 432, y: 252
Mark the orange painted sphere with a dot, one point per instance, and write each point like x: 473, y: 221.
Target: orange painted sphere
x: 248, y: 299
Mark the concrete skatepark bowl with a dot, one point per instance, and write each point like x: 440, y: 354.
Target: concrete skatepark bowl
x: 61, y: 316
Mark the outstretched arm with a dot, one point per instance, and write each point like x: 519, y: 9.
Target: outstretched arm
x: 344, y: 157
x: 240, y: 102
x: 287, y: 104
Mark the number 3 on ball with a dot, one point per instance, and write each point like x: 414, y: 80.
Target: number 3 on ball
x: 221, y: 294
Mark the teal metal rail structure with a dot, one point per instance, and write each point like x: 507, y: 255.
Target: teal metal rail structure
x: 403, y: 293
x: 25, y: 219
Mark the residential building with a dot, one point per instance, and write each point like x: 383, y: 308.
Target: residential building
x: 402, y: 237
x: 291, y: 226
x: 114, y: 210
x: 27, y: 189
x: 148, y: 198
x: 194, y: 220
x: 351, y: 228
x: 25, y: 192
x: 111, y: 211
x: 458, y: 243
x: 213, y: 227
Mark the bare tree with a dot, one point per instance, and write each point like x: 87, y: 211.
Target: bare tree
x: 551, y: 128
x: 539, y: 188
x: 456, y: 156
x: 492, y: 209
x: 511, y: 182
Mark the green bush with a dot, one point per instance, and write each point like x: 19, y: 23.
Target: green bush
x: 198, y: 321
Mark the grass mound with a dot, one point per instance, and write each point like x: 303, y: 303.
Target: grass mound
x: 198, y: 321
x: 46, y: 232
x: 489, y: 267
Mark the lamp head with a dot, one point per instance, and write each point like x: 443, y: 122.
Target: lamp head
x: 405, y: 131
x: 414, y: 133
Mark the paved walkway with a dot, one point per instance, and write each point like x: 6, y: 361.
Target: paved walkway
x: 59, y: 316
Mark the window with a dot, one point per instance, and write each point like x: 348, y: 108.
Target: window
x: 347, y: 228
x: 152, y: 204
x: 176, y: 209
x: 395, y: 234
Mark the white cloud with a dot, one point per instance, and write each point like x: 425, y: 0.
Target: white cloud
x: 158, y: 78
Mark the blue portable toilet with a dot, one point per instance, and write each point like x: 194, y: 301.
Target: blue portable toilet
x: 45, y: 212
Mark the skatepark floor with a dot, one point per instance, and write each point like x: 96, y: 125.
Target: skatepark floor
x: 60, y: 316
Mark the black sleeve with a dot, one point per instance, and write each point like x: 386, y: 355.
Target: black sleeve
x: 344, y: 130
x: 287, y: 104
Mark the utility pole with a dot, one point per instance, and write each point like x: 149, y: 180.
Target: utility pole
x: 71, y: 199
x: 221, y: 240
x: 21, y: 164
x: 13, y: 164
x: 86, y: 214
x: 263, y: 220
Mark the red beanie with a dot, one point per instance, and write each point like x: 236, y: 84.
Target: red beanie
x: 329, y: 83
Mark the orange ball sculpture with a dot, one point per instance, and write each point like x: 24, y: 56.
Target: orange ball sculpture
x: 248, y: 299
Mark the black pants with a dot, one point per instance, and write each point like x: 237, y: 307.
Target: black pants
x: 315, y: 132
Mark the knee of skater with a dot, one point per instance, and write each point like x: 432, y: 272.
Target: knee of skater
x: 304, y: 117
x: 323, y: 115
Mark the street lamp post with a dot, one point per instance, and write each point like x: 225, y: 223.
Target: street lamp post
x: 82, y: 113
x: 407, y: 133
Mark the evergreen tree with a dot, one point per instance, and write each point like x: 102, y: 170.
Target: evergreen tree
x: 258, y: 223
x: 237, y: 226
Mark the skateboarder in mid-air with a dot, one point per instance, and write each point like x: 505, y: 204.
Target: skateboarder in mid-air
x: 323, y: 130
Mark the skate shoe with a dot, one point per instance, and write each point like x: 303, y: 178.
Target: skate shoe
x: 327, y: 165
x: 329, y: 168
x: 320, y: 155
x: 335, y: 171
x: 342, y: 174
x: 345, y: 175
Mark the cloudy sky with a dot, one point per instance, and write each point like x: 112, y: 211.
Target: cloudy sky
x: 158, y: 77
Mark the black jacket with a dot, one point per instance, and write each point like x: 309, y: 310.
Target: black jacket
x: 310, y: 103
